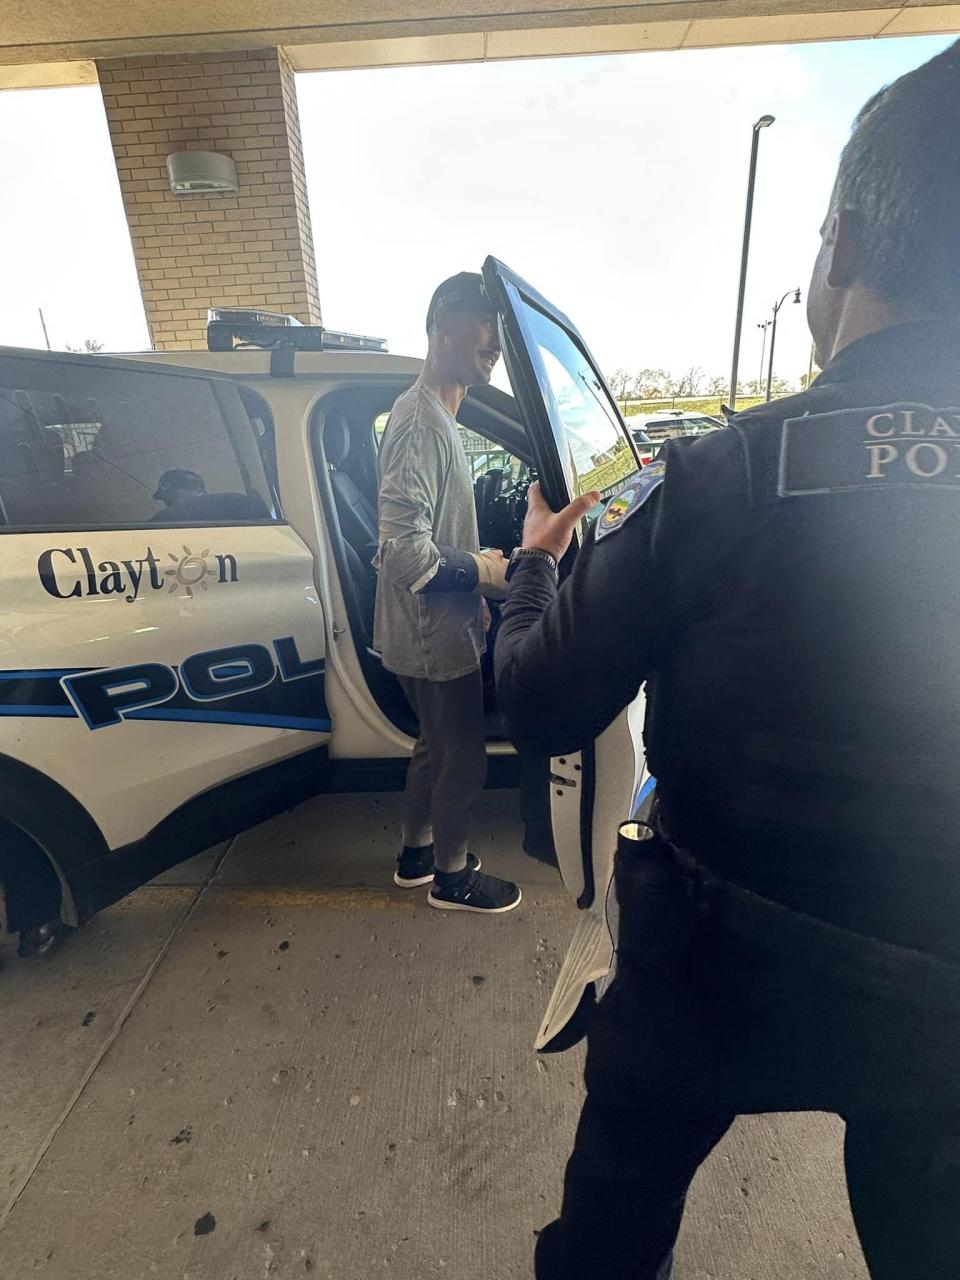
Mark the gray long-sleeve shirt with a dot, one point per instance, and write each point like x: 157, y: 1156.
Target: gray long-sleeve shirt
x: 426, y: 502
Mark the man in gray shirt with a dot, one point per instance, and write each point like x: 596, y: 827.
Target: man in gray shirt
x: 430, y: 612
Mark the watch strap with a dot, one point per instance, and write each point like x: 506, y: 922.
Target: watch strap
x: 529, y: 553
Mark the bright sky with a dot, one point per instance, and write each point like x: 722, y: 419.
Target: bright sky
x: 615, y: 185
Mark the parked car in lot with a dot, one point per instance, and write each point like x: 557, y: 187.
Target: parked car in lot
x: 658, y: 427
x: 186, y: 644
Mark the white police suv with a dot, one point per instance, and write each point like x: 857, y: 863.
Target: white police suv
x: 185, y: 644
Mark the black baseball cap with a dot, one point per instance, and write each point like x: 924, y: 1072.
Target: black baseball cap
x: 462, y: 292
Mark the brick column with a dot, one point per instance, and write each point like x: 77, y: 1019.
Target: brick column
x: 253, y: 248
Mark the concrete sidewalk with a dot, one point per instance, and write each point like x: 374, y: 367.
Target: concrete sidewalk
x: 272, y: 1063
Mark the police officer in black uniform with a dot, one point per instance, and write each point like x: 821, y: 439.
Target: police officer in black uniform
x: 789, y: 590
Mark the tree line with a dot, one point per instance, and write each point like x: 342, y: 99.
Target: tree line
x: 692, y: 383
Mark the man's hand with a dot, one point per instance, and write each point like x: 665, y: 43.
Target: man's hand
x: 491, y: 571
x: 551, y: 531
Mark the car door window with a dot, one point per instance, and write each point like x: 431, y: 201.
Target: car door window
x: 90, y: 444
x: 578, y: 436
x: 600, y: 456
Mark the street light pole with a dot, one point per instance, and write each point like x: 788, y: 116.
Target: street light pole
x: 773, y: 336
x: 763, y: 351
x: 763, y: 123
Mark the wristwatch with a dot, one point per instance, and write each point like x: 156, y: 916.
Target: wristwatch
x: 523, y: 553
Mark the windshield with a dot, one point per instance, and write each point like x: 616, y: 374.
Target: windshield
x: 589, y: 429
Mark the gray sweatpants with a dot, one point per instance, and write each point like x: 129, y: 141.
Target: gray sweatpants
x: 448, y: 767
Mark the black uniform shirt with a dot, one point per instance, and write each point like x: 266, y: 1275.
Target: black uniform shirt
x: 790, y: 593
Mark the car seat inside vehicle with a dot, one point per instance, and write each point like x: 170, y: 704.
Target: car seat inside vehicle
x: 356, y: 512
x: 356, y: 516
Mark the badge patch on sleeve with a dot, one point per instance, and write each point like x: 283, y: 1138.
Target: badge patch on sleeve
x: 631, y: 498
x: 893, y: 446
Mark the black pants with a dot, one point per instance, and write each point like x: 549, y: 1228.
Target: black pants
x: 766, y: 1012
x: 630, y: 1170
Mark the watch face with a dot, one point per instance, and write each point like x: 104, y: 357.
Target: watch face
x: 518, y: 554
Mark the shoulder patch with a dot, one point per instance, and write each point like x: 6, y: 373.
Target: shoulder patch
x: 889, y: 446
x: 631, y: 498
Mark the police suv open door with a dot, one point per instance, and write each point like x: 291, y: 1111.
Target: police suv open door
x: 580, y: 443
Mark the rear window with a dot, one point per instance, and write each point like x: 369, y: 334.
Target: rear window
x: 87, y: 447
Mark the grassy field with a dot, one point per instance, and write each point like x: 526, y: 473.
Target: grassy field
x: 704, y: 404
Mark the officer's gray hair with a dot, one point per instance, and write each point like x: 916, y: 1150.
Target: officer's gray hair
x: 900, y: 175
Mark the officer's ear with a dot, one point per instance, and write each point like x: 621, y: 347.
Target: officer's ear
x: 843, y: 241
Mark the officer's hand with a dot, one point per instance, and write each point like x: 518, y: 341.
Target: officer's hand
x: 552, y: 531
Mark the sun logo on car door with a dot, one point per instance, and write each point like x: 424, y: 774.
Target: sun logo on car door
x: 191, y: 571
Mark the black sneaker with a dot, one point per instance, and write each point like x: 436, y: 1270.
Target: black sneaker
x: 471, y: 891
x: 415, y: 867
